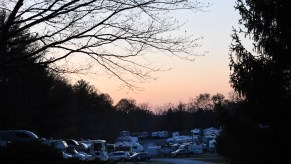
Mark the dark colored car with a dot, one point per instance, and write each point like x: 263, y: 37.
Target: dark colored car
x: 118, y: 156
x: 142, y: 156
x: 181, y: 152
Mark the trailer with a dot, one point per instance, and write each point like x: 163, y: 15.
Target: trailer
x: 163, y: 134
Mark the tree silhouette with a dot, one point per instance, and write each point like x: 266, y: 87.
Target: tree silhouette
x: 13, y: 53
x: 262, y: 78
x: 109, y: 34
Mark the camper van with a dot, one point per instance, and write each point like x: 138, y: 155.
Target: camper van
x: 129, y: 144
x: 97, y: 148
x: 10, y: 136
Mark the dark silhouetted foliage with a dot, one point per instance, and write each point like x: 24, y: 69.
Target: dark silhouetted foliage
x: 33, y: 153
x: 35, y: 98
x: 255, y: 131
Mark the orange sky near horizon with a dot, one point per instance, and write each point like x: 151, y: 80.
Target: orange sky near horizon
x: 207, y: 74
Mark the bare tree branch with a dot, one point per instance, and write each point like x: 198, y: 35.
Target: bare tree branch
x: 111, y: 33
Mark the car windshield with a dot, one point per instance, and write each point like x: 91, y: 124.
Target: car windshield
x: 72, y: 142
x: 97, y: 146
x: 72, y: 151
x: 136, y: 154
x: 113, y: 154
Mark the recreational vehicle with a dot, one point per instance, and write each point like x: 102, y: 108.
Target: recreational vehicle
x: 97, y: 148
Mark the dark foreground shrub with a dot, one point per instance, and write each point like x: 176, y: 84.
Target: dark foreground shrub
x: 35, y: 153
x: 30, y: 153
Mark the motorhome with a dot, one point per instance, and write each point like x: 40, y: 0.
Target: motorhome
x: 182, y: 139
x: 97, y: 148
x: 129, y: 146
x: 128, y: 143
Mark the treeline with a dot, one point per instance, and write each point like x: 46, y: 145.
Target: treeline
x: 34, y: 98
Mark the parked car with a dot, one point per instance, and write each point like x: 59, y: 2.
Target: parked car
x: 9, y: 136
x: 66, y: 155
x: 72, y: 143
x: 142, y: 156
x: 88, y: 156
x: 181, y: 152
x: 193, y: 148
x: 119, y: 156
x: 59, y: 145
x: 75, y: 154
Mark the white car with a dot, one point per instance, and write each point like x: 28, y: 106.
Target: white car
x: 66, y: 155
x: 57, y: 144
x: 89, y: 157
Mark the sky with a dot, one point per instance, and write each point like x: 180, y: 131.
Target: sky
x: 185, y: 80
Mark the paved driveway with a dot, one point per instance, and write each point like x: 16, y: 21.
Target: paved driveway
x: 179, y: 161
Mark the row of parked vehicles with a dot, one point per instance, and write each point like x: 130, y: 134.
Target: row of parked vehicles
x: 127, y: 156
x: 176, y: 150
x: 69, y: 148
x: 85, y: 150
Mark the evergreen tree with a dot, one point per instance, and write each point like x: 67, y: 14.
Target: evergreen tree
x: 254, y: 131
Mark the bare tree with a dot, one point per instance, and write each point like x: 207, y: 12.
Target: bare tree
x: 112, y: 34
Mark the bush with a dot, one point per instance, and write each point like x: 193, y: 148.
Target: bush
x: 32, y: 153
x: 35, y: 153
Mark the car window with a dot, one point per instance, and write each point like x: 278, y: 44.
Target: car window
x: 54, y: 144
x: 111, y: 154
x: 97, y: 146
x: 22, y: 135
x: 72, y: 142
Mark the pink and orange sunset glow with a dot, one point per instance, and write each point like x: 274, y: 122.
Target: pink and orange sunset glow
x: 187, y: 79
